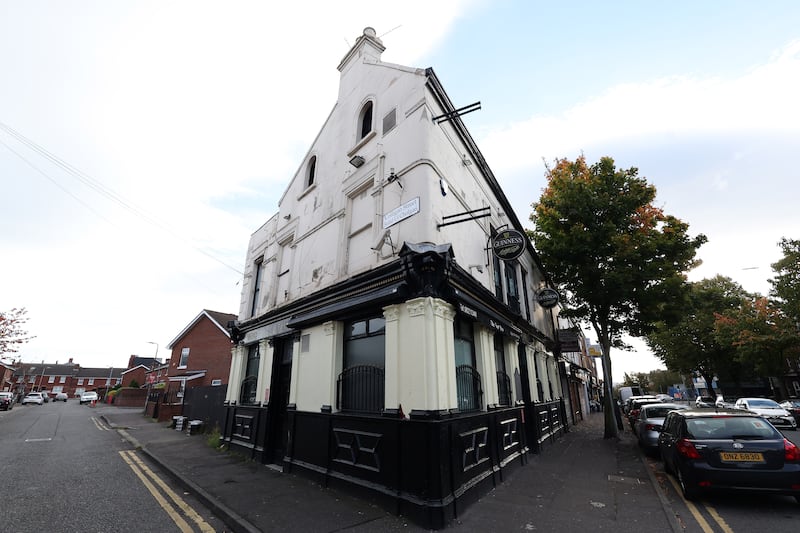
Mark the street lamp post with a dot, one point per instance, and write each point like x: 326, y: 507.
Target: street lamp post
x: 41, y: 378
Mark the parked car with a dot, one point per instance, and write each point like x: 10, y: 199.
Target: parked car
x: 705, y: 401
x: 635, y: 407
x: 728, y: 450
x: 651, y: 418
x: 88, y: 397
x: 61, y: 397
x: 33, y: 397
x: 6, y: 401
x: 46, y: 396
x: 793, y: 406
x: 626, y: 407
x: 769, y: 409
x: 721, y: 401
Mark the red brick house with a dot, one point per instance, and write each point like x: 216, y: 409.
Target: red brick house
x: 200, y: 357
x: 138, y: 368
x: 201, y: 353
x: 6, y: 375
x: 69, y: 378
x: 134, y: 377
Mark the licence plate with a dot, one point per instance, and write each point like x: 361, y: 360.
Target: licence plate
x: 742, y: 457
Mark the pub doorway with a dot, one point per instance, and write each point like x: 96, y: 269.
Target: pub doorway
x: 277, y: 425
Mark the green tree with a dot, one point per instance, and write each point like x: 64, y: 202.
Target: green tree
x: 662, y: 380
x: 786, y: 284
x: 617, y: 260
x: 11, y: 332
x: 642, y: 379
x: 761, y: 333
x: 690, y: 344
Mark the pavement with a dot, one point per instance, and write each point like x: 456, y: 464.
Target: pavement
x: 581, y: 482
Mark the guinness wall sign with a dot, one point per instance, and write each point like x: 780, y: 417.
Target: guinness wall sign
x: 508, y: 244
x: 547, y: 298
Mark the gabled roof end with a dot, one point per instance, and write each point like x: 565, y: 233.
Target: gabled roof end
x: 368, y: 44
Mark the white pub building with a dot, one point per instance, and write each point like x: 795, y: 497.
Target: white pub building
x: 389, y: 338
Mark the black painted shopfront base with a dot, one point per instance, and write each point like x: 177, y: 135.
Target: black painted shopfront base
x: 428, y: 468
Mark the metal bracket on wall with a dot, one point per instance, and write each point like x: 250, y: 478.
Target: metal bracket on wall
x: 450, y: 115
x: 465, y: 216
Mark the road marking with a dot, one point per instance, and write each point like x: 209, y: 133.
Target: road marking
x: 718, y: 519
x: 142, y: 470
x: 692, y: 508
x: 48, y: 439
x: 99, y: 424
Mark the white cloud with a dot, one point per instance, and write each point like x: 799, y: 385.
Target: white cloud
x: 762, y: 99
x: 196, y: 114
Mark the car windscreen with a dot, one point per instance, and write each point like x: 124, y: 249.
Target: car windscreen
x: 764, y: 404
x: 658, y: 412
x: 731, y: 428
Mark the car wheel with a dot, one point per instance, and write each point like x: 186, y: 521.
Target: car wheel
x: 688, y: 492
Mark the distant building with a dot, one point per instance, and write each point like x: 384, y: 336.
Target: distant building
x: 69, y: 378
x: 200, y: 357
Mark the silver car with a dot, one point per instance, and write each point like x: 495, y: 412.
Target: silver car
x: 33, y: 397
x: 769, y: 409
x: 649, y: 423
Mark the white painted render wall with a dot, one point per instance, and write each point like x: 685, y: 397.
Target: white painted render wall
x: 325, y: 233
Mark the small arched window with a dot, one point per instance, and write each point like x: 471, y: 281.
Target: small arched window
x: 311, y: 171
x: 365, y: 121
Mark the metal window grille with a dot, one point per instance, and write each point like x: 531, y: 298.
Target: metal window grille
x: 248, y: 391
x: 468, y: 387
x: 360, y: 389
x: 503, y: 388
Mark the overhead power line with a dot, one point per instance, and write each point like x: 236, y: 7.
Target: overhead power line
x: 98, y: 187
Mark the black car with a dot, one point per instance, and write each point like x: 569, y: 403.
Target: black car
x: 728, y: 450
x: 6, y: 401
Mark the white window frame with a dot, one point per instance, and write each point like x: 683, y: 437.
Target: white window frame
x: 183, y: 362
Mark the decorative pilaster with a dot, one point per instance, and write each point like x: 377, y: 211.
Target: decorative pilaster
x: 420, y: 355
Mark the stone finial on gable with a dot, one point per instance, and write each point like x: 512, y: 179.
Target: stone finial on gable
x: 367, y: 45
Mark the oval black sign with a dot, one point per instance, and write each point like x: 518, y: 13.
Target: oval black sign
x: 508, y: 244
x: 547, y: 297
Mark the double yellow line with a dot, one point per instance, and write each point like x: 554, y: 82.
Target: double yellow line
x: 178, y: 508
x: 698, y: 516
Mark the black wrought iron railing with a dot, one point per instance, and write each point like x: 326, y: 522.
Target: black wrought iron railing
x: 468, y: 388
x: 360, y: 389
x: 503, y: 389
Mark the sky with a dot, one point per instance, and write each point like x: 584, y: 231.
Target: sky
x: 141, y: 143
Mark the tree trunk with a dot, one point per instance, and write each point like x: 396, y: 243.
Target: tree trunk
x: 611, y: 408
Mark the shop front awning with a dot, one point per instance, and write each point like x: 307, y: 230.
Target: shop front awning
x: 338, y: 308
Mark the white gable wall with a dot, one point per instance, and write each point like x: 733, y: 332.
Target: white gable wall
x: 327, y: 232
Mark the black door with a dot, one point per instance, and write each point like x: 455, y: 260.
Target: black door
x: 279, y: 399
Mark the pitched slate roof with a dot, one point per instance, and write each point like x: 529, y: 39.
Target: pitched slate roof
x: 219, y: 319
x: 34, y: 369
x: 144, y: 361
x: 100, y: 372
